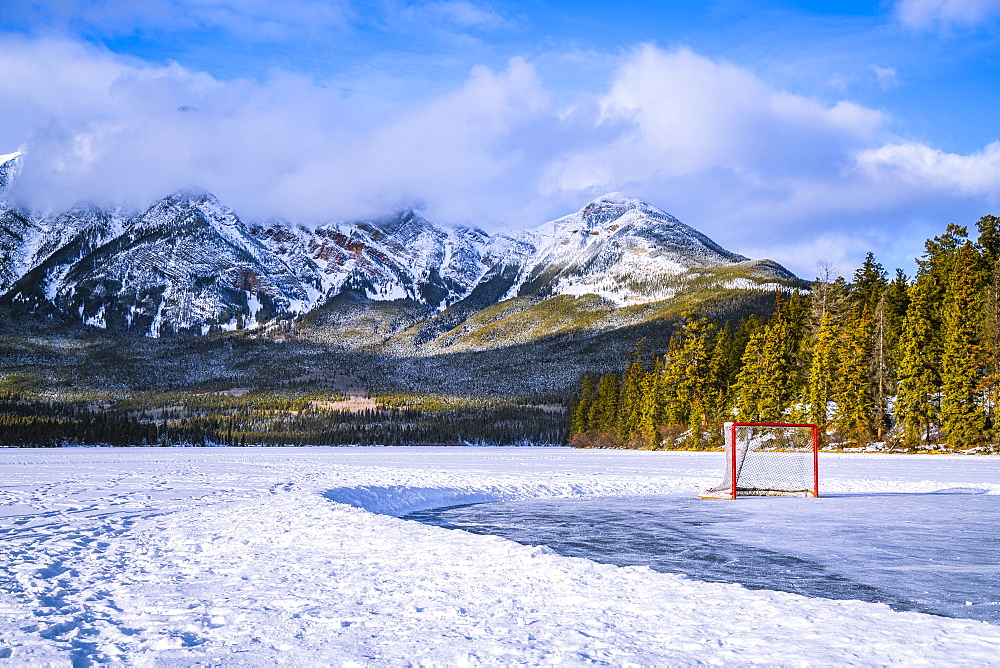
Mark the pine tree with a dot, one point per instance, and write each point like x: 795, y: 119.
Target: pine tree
x: 604, y: 410
x: 581, y: 411
x: 853, y: 417
x: 630, y: 403
x: 822, y: 368
x: 989, y: 247
x: 646, y: 423
x: 963, y: 420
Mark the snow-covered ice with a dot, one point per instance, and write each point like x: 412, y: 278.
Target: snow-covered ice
x: 298, y: 556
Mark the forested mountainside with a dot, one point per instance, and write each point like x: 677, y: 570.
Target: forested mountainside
x: 911, y: 363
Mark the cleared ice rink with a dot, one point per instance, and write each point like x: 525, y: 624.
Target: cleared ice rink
x: 249, y: 556
x: 913, y: 552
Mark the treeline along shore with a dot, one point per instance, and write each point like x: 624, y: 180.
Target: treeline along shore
x: 274, y: 417
x: 913, y: 364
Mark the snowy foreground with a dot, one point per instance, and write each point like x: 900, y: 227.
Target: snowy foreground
x: 297, y: 556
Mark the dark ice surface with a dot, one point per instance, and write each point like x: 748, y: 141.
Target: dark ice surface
x: 933, y: 553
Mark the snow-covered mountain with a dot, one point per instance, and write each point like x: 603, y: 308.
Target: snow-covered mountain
x: 397, y: 257
x: 189, y: 265
x: 625, y: 250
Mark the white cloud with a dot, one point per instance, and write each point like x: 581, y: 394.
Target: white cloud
x: 687, y: 114
x: 113, y: 130
x: 946, y: 14
x: 887, y: 77
x: 977, y: 174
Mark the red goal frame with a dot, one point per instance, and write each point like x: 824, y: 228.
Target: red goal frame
x: 815, y: 448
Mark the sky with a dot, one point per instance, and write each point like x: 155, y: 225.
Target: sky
x: 806, y: 132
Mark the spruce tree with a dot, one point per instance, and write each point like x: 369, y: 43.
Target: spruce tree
x: 697, y: 382
x: 897, y: 302
x: 919, y: 375
x: 869, y: 284
x: 756, y: 391
x: 672, y: 403
x: 726, y: 354
x: 880, y: 385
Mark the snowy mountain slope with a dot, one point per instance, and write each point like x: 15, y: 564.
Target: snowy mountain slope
x: 624, y: 250
x: 17, y: 230
x: 86, y: 226
x: 184, y: 266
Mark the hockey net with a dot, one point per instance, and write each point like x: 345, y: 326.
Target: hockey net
x: 769, y: 460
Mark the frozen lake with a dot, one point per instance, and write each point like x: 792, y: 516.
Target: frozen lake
x: 300, y: 556
x: 932, y: 553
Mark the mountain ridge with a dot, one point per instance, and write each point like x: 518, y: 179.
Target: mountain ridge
x: 189, y: 265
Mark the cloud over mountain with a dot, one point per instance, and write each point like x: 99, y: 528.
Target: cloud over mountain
x: 752, y: 164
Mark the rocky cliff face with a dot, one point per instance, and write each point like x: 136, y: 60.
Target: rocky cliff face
x: 188, y: 265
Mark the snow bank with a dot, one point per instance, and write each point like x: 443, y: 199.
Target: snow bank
x: 229, y: 557
x: 399, y: 500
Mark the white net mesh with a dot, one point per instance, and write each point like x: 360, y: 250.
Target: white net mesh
x: 771, y: 460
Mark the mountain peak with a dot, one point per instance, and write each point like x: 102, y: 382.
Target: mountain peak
x: 7, y: 157
x: 9, y: 164
x: 191, y: 195
x: 613, y: 206
x: 615, y: 199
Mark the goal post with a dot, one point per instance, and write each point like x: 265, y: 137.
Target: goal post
x: 769, y: 459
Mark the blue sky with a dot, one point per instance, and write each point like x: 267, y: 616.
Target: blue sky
x: 800, y: 131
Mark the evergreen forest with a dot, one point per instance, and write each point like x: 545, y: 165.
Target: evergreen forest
x: 909, y: 363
